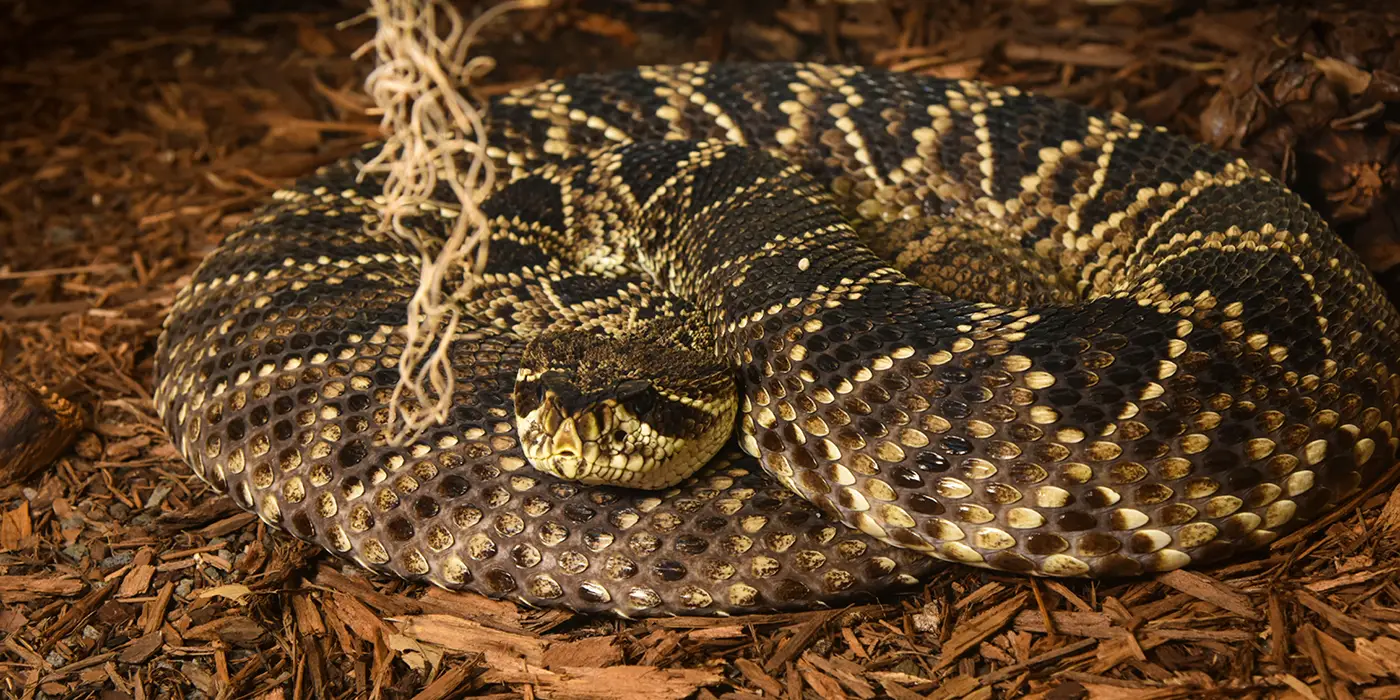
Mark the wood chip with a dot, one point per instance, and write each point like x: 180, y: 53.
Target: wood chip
x: 615, y: 682
x: 970, y: 633
x: 34, y: 428
x: 234, y: 629
x: 138, y: 579
x: 502, y: 649
x: 16, y: 589
x: 143, y: 648
x: 802, y: 635
x: 757, y: 676
x: 1210, y: 590
x: 592, y: 652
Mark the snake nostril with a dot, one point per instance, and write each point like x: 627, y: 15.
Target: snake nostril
x: 619, y: 436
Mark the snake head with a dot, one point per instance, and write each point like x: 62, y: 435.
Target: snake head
x: 626, y: 410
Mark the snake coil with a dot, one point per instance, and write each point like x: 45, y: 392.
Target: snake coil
x: 963, y: 321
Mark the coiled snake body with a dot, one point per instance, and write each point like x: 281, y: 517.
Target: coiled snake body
x: 964, y: 321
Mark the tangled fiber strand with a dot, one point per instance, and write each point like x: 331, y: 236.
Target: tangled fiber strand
x: 435, y: 139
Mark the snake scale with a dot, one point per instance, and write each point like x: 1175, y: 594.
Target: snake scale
x: 956, y: 320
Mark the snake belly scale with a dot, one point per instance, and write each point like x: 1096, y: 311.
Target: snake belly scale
x: 965, y: 323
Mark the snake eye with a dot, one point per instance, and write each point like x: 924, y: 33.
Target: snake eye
x: 636, y: 395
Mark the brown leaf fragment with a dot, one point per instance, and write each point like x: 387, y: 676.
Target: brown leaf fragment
x: 12, y: 619
x: 596, y: 652
x: 1222, y: 123
x: 501, y: 648
x: 1236, y: 36
x: 1212, y: 591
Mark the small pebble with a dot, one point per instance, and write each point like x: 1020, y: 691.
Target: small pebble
x: 183, y: 588
x: 56, y: 659
x: 929, y: 619
x: 117, y: 560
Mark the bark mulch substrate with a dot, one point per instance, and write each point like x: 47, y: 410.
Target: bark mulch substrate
x: 133, y: 136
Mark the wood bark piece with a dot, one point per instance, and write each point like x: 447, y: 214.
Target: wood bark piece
x: 34, y: 429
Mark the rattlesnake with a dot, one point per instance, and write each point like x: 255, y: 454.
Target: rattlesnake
x: 1110, y: 351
